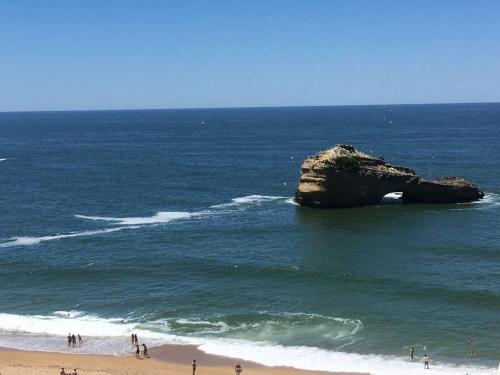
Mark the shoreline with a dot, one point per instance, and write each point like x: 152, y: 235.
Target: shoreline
x: 165, y: 359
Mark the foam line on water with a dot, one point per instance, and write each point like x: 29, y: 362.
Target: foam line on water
x: 3, y: 159
x: 24, y: 241
x: 159, y: 217
x: 139, y: 221
x: 249, y: 200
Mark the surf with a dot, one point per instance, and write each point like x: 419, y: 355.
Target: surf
x: 111, y: 336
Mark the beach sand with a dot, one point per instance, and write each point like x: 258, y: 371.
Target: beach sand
x: 167, y: 360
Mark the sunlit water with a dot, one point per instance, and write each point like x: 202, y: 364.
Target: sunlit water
x: 178, y: 225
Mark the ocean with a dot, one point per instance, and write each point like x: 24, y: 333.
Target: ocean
x: 179, y: 225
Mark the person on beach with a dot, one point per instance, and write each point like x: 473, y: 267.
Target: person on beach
x: 62, y: 372
x: 69, y: 340
x: 136, y: 339
x: 145, y: 351
x: 73, y: 340
x: 237, y: 368
x: 194, y: 366
x: 132, y: 338
x: 412, y: 353
x: 137, y: 351
x: 74, y: 372
x: 426, y: 361
x: 80, y: 341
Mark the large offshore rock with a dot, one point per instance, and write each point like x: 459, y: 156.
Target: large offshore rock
x: 345, y: 177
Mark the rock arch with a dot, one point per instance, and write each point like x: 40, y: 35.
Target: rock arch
x: 345, y: 177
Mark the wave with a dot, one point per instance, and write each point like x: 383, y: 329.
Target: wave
x: 3, y: 159
x: 111, y: 336
x: 25, y: 241
x: 161, y: 217
x: 317, y: 359
x: 249, y: 200
x: 490, y: 199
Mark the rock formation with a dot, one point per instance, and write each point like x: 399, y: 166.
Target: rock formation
x: 345, y: 177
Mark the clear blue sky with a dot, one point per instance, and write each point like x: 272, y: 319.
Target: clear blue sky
x: 169, y: 54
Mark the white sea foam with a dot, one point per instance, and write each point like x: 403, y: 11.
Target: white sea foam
x: 310, y: 358
x: 249, y: 200
x: 292, y: 201
x: 111, y: 336
x: 3, y: 159
x: 24, y: 241
x: 491, y: 199
x: 159, y: 217
x: 134, y: 222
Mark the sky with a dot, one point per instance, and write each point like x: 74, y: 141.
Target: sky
x: 107, y: 54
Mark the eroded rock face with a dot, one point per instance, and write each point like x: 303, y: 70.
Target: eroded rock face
x: 345, y: 177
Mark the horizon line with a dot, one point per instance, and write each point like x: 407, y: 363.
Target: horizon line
x: 243, y: 107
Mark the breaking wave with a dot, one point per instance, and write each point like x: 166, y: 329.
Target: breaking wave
x: 25, y: 241
x: 159, y: 217
x: 112, y: 335
x: 490, y: 200
x: 250, y: 199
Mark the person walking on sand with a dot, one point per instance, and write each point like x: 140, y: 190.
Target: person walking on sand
x: 137, y: 351
x: 145, y: 351
x: 426, y: 361
x: 412, y: 353
x: 194, y: 366
x: 237, y: 368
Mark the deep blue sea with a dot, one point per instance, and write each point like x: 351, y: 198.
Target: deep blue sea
x: 179, y: 225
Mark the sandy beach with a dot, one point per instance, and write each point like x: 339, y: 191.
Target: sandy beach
x: 168, y: 359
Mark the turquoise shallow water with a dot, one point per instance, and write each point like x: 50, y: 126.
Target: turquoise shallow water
x: 179, y: 223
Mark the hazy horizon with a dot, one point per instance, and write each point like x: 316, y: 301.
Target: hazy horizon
x: 250, y: 107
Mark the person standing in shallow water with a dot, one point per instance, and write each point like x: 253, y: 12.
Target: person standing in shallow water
x: 412, y: 353
x: 69, y: 340
x: 145, y: 351
x: 73, y: 340
x: 132, y: 338
x: 426, y: 361
x: 237, y: 368
x: 80, y: 341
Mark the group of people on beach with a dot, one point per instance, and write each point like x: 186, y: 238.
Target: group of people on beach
x: 72, y: 340
x: 135, y: 343
x: 63, y: 372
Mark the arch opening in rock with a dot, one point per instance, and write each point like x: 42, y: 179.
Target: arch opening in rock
x: 345, y: 177
x: 395, y: 197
